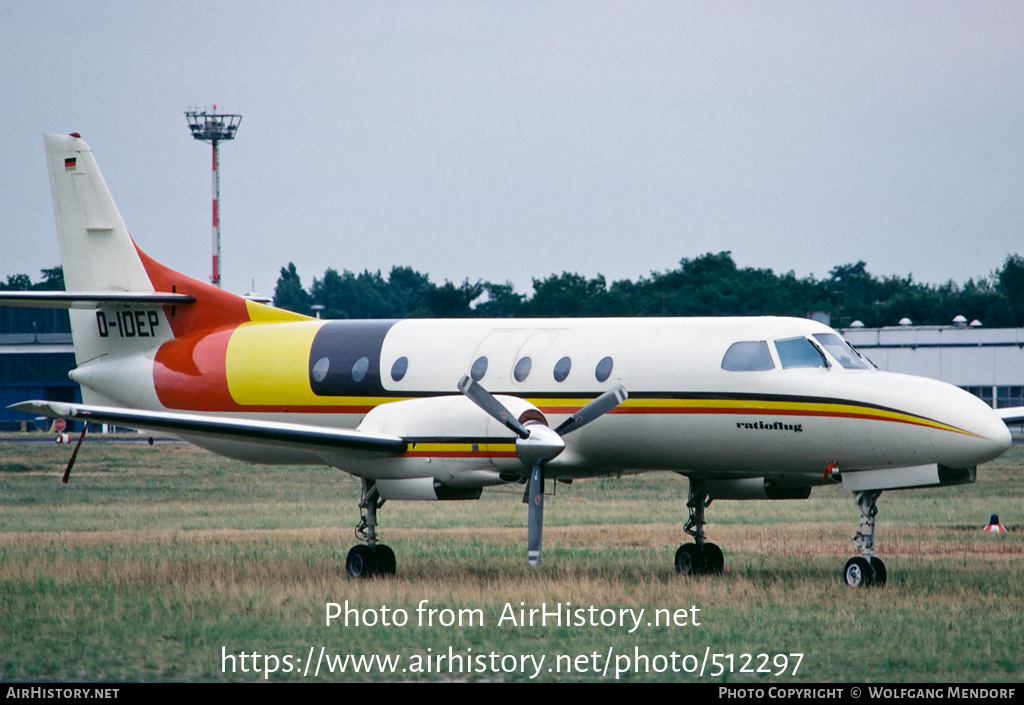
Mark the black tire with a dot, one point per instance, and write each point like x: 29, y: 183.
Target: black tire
x: 858, y: 573
x: 880, y: 572
x: 714, y: 559
x: 360, y: 562
x: 689, y: 560
x: 385, y: 557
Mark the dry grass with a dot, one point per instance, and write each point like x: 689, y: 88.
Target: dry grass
x: 154, y: 558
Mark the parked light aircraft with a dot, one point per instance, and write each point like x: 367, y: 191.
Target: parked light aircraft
x: 745, y: 408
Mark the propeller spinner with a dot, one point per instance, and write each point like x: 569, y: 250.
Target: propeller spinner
x: 537, y: 444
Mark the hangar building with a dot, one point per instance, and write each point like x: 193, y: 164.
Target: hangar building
x: 35, y: 358
x: 988, y: 362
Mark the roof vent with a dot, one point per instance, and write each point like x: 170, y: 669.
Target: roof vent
x: 857, y: 324
x: 975, y: 323
x: 906, y: 321
x: 959, y: 321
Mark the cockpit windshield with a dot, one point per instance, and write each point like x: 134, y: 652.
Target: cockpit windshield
x: 799, y: 352
x: 842, y: 351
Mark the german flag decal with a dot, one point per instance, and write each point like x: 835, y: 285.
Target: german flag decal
x: 70, y: 163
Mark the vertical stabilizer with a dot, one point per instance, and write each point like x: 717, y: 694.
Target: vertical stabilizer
x: 119, y: 317
x: 97, y: 254
x: 96, y: 251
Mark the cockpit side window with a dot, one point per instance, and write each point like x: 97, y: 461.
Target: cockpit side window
x: 748, y: 356
x: 799, y: 352
x: 842, y: 351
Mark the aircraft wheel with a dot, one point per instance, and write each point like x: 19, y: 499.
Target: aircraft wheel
x: 714, y: 560
x: 360, y: 562
x: 689, y: 560
x: 386, y: 563
x: 858, y: 572
x: 880, y: 573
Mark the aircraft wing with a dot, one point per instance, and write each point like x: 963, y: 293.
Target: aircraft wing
x: 1011, y: 415
x: 91, y: 299
x: 270, y: 433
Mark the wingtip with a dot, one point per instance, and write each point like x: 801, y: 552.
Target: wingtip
x: 54, y: 410
x: 27, y: 407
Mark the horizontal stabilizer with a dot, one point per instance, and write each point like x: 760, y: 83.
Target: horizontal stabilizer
x: 92, y: 299
x: 315, y: 439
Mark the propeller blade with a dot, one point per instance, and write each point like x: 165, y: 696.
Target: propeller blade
x: 482, y: 398
x: 536, y: 514
x: 603, y: 404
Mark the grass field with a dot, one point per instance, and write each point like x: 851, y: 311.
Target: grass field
x: 157, y: 562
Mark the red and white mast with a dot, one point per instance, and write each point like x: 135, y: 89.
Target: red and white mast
x: 214, y: 128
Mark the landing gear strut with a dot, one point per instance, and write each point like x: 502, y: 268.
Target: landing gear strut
x: 699, y: 557
x: 865, y: 569
x: 364, y: 561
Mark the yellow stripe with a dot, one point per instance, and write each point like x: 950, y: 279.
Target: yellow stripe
x: 258, y: 313
x: 741, y: 406
x: 481, y: 448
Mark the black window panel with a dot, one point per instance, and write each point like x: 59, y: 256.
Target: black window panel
x: 343, y: 344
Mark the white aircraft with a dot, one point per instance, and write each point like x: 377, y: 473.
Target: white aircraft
x: 745, y: 408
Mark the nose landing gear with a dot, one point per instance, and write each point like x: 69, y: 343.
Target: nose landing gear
x: 866, y: 569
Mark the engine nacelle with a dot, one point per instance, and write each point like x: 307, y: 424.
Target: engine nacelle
x: 454, y: 448
x: 424, y: 488
x: 434, y: 418
x: 754, y: 488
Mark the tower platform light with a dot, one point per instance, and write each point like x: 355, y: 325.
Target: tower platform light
x: 214, y: 127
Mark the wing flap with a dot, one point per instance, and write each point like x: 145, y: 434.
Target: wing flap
x: 316, y: 439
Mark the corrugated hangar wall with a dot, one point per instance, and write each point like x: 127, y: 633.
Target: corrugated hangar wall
x: 987, y: 362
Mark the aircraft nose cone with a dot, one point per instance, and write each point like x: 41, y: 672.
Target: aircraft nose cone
x: 983, y: 435
x: 998, y: 436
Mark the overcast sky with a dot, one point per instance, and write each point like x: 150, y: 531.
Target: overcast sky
x: 508, y: 140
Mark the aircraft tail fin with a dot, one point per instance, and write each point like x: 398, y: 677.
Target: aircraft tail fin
x: 121, y: 300
x: 96, y: 251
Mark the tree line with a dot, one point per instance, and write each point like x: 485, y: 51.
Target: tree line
x: 708, y: 285
x: 34, y: 320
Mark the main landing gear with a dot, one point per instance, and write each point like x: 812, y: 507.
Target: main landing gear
x: 865, y: 569
x: 364, y: 561
x: 699, y: 557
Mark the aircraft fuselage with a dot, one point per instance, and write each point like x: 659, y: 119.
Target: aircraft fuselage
x: 685, y: 412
